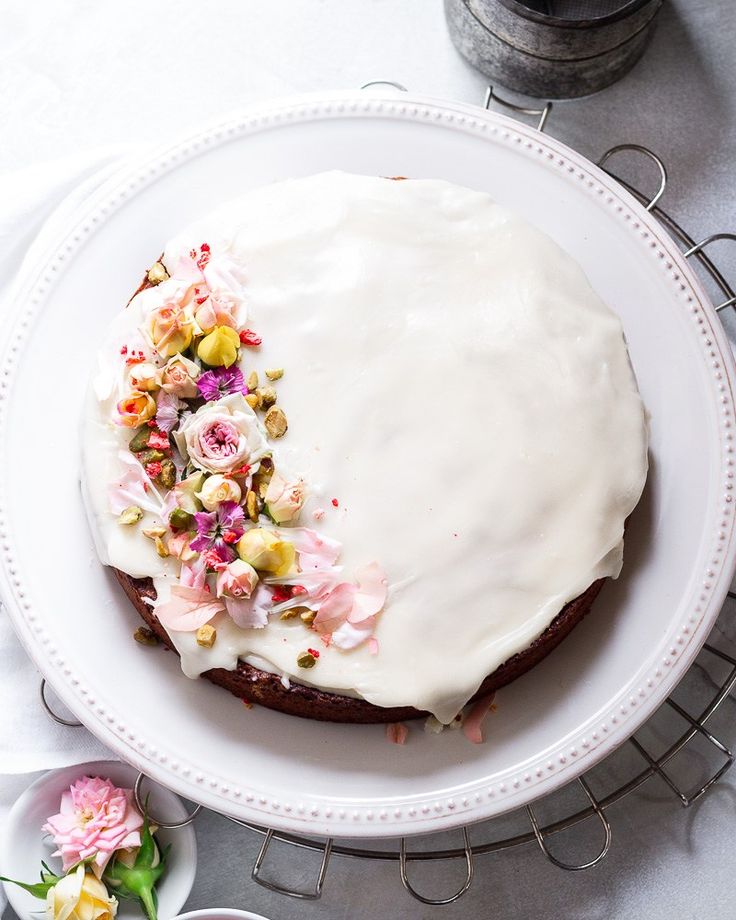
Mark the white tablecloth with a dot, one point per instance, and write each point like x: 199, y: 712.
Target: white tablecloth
x: 75, y: 74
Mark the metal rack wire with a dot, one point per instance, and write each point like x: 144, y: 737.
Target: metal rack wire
x: 695, y: 726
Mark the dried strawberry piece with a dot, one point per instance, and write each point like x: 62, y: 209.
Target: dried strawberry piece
x: 248, y: 337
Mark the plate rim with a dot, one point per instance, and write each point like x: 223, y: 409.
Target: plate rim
x: 470, y: 802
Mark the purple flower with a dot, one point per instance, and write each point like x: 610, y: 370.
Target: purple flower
x: 222, y: 381
x: 169, y: 411
x: 217, y: 530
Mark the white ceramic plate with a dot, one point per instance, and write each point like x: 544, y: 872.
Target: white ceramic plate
x: 22, y: 846
x: 552, y: 724
x: 220, y: 913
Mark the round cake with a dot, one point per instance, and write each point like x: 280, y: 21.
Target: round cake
x: 362, y: 449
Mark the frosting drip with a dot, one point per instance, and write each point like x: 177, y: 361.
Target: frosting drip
x: 454, y: 383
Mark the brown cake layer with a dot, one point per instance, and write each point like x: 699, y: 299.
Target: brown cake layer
x: 256, y: 686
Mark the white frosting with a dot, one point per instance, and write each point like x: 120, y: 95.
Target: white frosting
x: 452, y: 379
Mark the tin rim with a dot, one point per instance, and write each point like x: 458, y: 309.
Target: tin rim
x: 628, y: 9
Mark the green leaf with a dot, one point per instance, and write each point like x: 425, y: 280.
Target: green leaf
x: 40, y: 889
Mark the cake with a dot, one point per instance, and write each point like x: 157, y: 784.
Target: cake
x: 361, y: 449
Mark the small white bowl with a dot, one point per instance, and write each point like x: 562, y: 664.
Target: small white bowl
x: 22, y: 846
x: 220, y: 913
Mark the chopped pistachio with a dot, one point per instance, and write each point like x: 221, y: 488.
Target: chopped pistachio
x: 161, y: 548
x: 274, y: 373
x: 180, y: 519
x: 267, y: 396
x: 152, y: 532
x: 252, y: 381
x: 151, y: 456
x: 262, y: 478
x: 306, y: 660
x: 157, y: 273
x: 251, y: 506
x: 145, y: 636
x: 308, y: 617
x: 206, y: 636
x: 130, y: 515
x: 167, y: 476
x: 275, y: 422
x: 294, y: 612
x: 140, y: 440
x: 252, y: 400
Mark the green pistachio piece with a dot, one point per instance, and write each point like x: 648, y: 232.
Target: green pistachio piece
x: 151, y: 456
x: 306, y: 660
x: 167, y: 476
x: 145, y: 636
x: 140, y: 440
x: 179, y: 519
x: 130, y: 515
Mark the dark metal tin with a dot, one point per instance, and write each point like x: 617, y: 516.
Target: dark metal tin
x: 549, y: 56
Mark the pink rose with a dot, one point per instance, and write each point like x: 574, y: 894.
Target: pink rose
x: 170, y: 324
x: 236, y: 580
x: 219, y: 309
x: 95, y: 819
x: 178, y: 377
x: 222, y: 436
x: 246, y: 601
x: 284, y: 499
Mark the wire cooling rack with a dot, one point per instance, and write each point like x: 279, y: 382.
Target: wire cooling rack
x: 653, y: 751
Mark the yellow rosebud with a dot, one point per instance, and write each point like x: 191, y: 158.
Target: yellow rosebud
x: 143, y: 377
x: 219, y: 348
x: 266, y: 552
x: 171, y: 329
x: 80, y: 896
x: 136, y: 409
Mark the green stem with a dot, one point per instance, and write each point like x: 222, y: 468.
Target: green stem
x: 149, y: 903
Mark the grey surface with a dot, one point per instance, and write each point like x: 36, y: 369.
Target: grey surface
x: 86, y: 73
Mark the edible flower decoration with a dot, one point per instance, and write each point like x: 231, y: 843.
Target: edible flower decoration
x: 95, y: 819
x: 202, y: 479
x: 108, y: 851
x: 284, y: 499
x: 218, y: 530
x: 170, y: 411
x: 221, y: 381
x: 171, y: 326
x: 217, y: 489
x: 219, y: 347
x: 266, y: 551
x: 179, y: 377
x: 223, y: 436
x: 135, y: 409
x: 348, y: 613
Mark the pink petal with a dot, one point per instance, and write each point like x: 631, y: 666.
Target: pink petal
x: 316, y: 551
x: 193, y: 574
x: 348, y: 636
x: 397, y: 732
x: 188, y: 609
x: 335, y: 608
x: 186, y: 269
x: 373, y: 645
x: 252, y: 612
x: 473, y: 721
x: 134, y: 487
x: 371, y: 595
